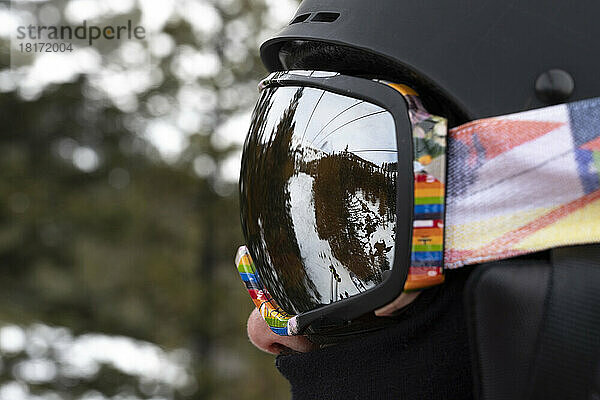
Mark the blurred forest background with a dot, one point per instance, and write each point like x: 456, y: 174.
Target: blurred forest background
x: 118, y: 206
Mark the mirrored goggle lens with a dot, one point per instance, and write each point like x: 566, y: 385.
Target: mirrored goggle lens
x: 318, y: 192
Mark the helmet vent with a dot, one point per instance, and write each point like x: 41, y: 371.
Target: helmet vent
x: 325, y: 17
x: 300, y: 18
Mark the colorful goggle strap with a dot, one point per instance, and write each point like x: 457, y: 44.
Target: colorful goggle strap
x: 522, y: 183
x: 515, y: 184
x: 429, y: 164
x: 281, y: 323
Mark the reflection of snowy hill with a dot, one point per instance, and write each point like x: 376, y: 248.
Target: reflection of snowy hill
x: 374, y: 159
x: 375, y: 231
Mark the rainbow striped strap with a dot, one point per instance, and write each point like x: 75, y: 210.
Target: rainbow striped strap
x: 279, y: 322
x: 429, y: 148
x: 522, y: 183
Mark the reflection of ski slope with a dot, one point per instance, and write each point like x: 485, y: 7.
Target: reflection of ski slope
x: 316, y: 253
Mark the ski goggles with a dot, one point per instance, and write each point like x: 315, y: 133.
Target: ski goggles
x: 346, y: 201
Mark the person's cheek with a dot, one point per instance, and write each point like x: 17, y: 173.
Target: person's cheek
x: 398, y: 304
x: 264, y: 339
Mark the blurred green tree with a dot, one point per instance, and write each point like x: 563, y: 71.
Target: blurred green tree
x: 118, y: 207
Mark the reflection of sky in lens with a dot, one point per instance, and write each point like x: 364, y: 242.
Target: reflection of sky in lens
x: 331, y: 123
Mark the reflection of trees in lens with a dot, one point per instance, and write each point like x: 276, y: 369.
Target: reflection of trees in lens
x: 265, y: 205
x: 347, y: 224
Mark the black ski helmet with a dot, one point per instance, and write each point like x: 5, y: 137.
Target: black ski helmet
x: 483, y: 57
